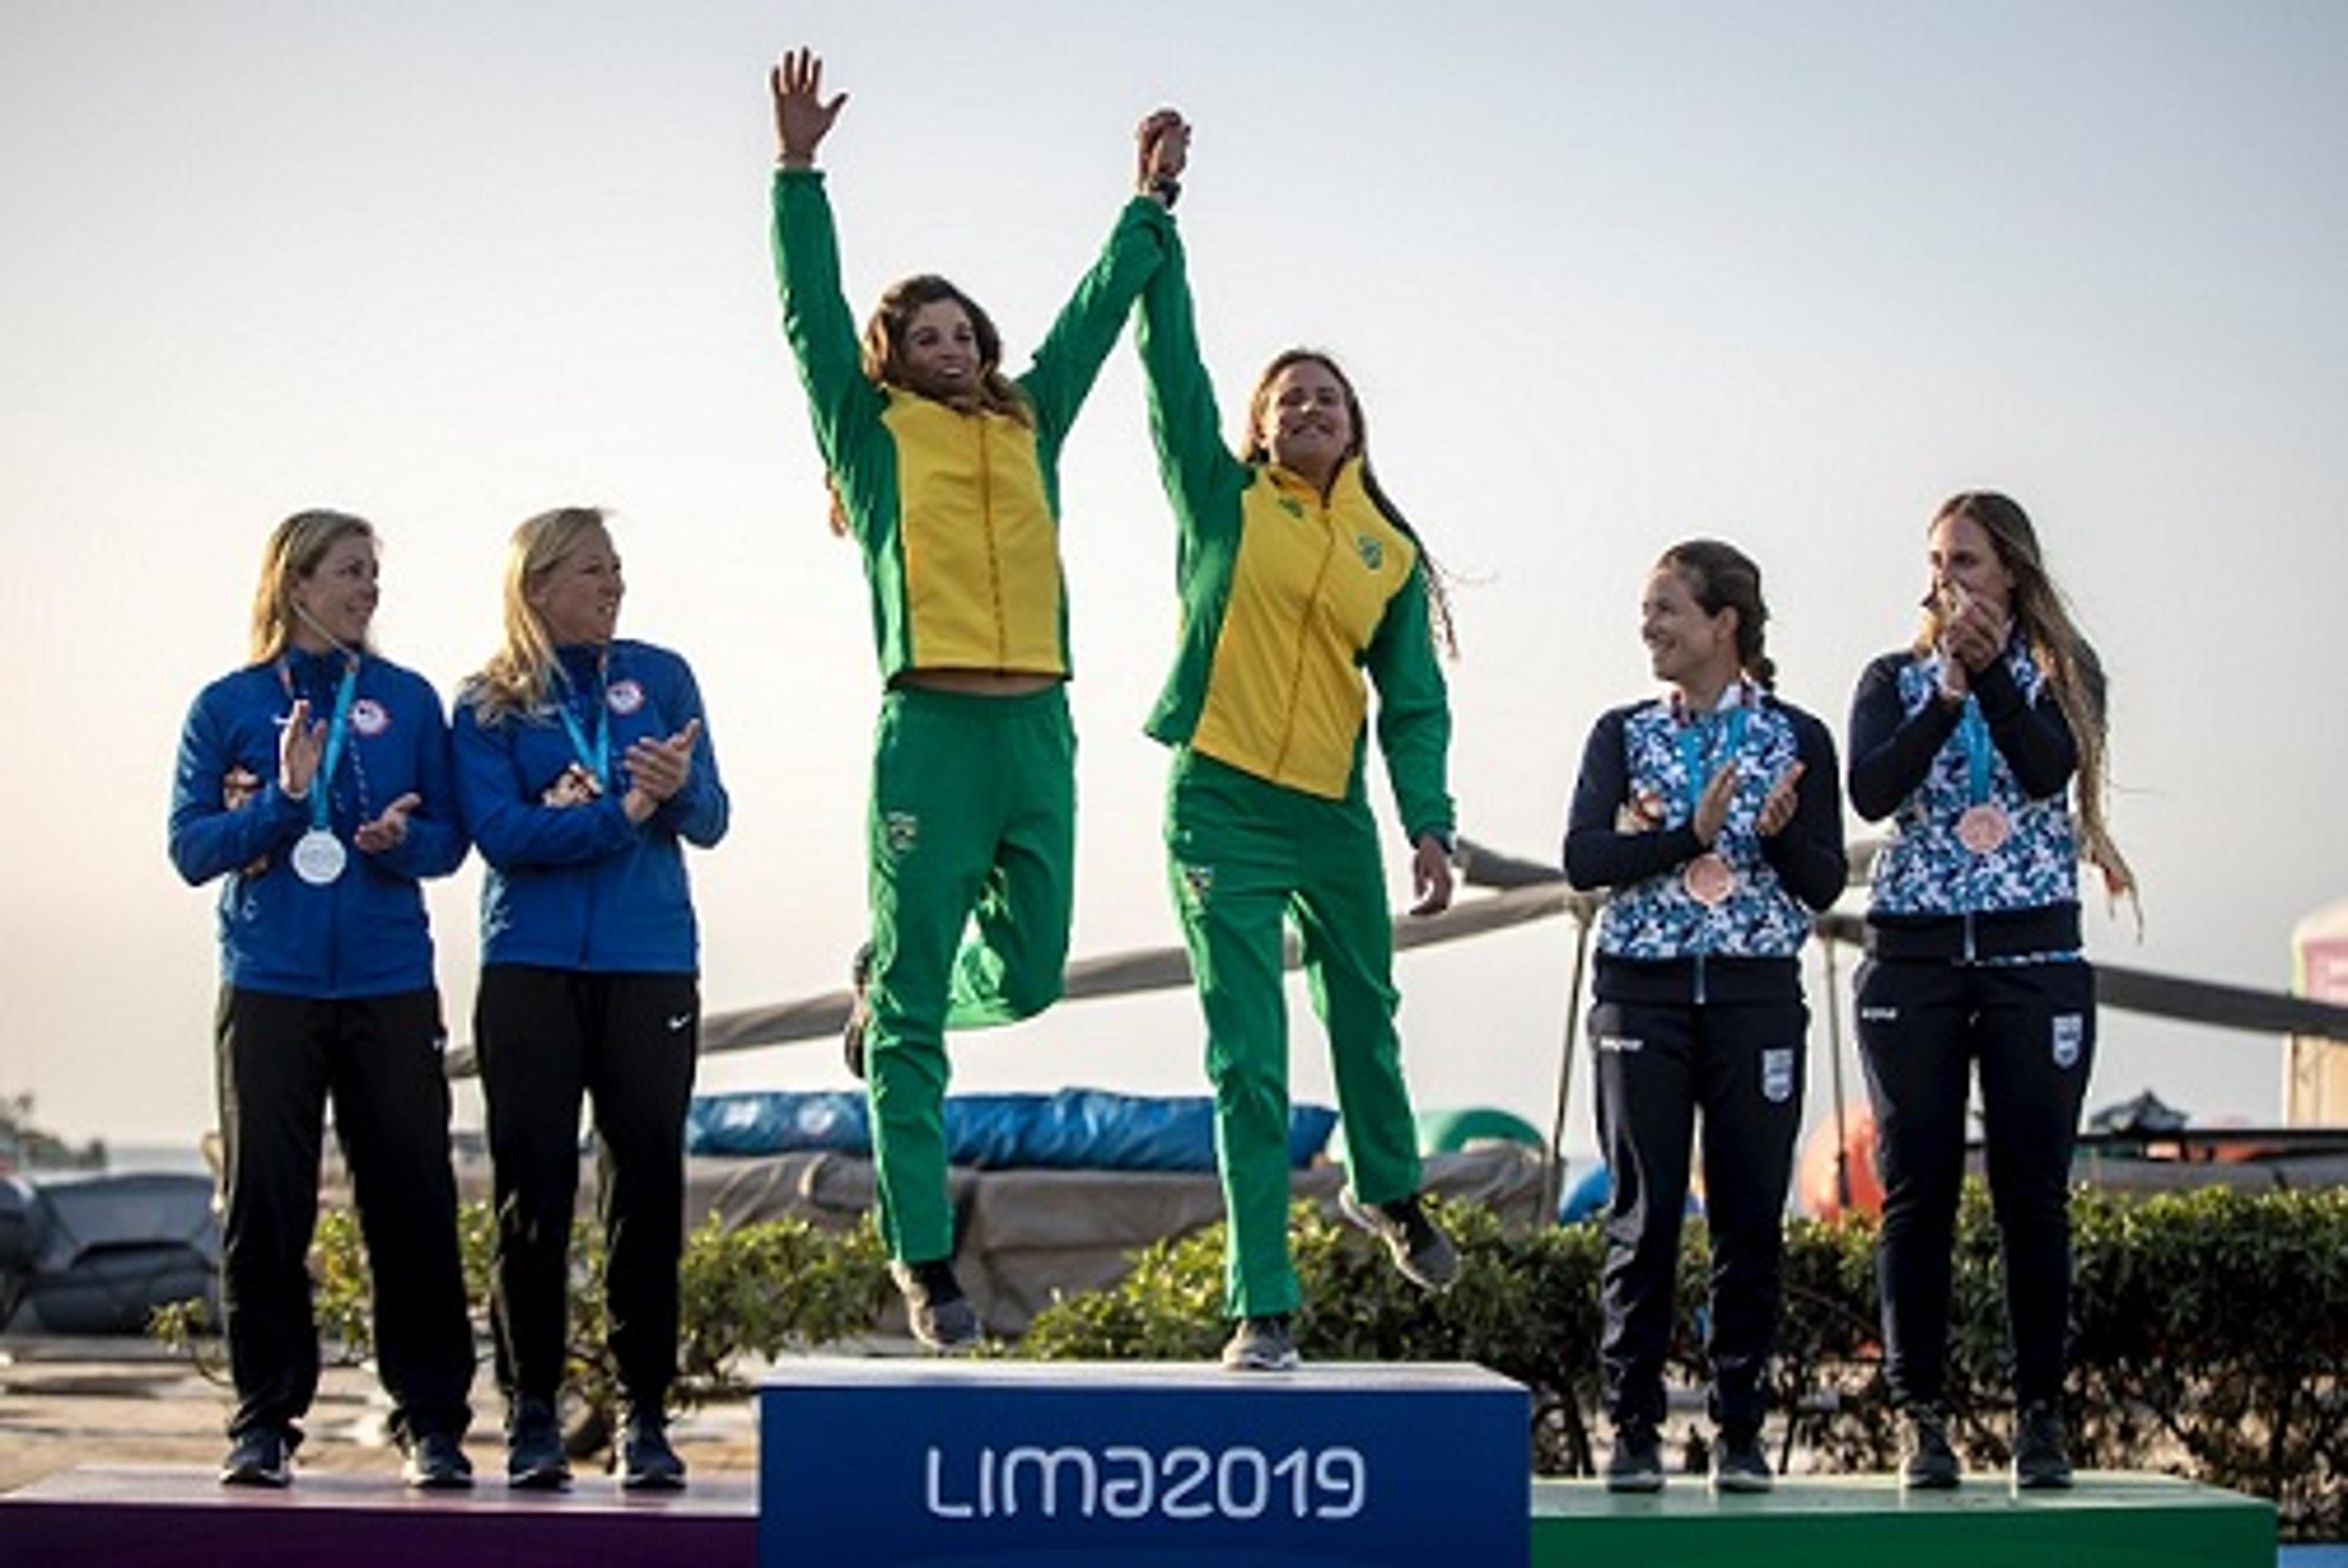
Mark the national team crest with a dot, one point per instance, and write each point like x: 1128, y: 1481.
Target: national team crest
x: 1372, y: 554
x: 901, y: 830
x: 1198, y: 881
x: 368, y: 717
x: 625, y: 697
x: 2070, y: 1038
x: 1292, y: 506
x: 1777, y: 1075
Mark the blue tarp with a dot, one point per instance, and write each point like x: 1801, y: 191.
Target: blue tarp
x: 1073, y: 1130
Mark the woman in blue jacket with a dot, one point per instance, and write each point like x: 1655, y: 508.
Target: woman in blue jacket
x: 1712, y: 814
x: 313, y: 783
x: 584, y: 767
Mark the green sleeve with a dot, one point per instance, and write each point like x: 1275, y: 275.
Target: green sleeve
x: 1202, y: 478
x: 1414, y: 710
x: 1068, y: 360
x: 816, y: 319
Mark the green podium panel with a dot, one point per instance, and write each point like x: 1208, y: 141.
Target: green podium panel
x: 2110, y: 1520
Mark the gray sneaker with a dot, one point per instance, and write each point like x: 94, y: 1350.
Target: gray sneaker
x: 645, y: 1460
x: 260, y: 1456
x: 940, y: 1315
x: 1420, y: 1249
x: 1932, y: 1464
x: 1637, y: 1463
x: 2040, y: 1463
x: 1261, y: 1345
x: 535, y: 1459
x: 1738, y: 1463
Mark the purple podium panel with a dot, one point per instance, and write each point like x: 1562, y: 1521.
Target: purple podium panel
x: 149, y: 1516
x: 993, y: 1464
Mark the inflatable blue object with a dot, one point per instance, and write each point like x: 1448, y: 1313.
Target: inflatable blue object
x: 1586, y: 1199
x: 1072, y: 1130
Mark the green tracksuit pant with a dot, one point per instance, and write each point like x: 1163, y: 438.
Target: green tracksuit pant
x: 973, y: 819
x: 1242, y: 856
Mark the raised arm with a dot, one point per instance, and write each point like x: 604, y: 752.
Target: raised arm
x: 1198, y: 470
x: 817, y: 322
x: 1068, y: 359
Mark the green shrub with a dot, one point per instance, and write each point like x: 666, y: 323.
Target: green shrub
x: 2210, y: 1333
x: 762, y: 1290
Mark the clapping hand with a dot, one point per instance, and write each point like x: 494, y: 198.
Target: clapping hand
x: 388, y: 830
x: 1712, y: 806
x: 1777, y: 810
x: 300, y: 744
x: 657, y: 770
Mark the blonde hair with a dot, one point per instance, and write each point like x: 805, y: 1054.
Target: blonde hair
x: 520, y: 676
x: 2064, y: 658
x: 296, y: 549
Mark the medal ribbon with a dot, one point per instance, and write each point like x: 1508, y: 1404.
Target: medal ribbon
x: 1696, y: 757
x: 596, y: 759
x: 338, y: 732
x: 1974, y: 730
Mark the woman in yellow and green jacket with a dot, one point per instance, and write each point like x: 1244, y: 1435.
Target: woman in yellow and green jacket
x: 944, y: 471
x: 1297, y: 576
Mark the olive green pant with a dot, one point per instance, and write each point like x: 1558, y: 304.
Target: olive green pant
x: 972, y: 821
x: 1243, y: 857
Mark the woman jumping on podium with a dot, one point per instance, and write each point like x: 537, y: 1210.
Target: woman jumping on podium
x: 1969, y: 740
x: 1712, y: 814
x: 945, y: 472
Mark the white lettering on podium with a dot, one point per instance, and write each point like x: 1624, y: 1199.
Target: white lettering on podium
x: 1126, y: 1482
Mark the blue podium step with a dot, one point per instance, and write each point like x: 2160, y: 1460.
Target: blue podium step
x: 984, y: 1463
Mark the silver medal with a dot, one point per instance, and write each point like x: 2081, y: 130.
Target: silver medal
x: 319, y: 858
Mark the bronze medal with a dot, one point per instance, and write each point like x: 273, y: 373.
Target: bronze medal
x: 1708, y: 880
x: 1983, y: 829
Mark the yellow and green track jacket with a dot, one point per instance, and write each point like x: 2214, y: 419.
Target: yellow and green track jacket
x: 1286, y: 599
x: 957, y: 513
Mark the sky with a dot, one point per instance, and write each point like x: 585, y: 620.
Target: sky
x: 1606, y: 276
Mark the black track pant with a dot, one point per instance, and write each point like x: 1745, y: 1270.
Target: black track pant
x: 1922, y: 1027
x: 280, y: 1060
x: 627, y: 1042
x: 1658, y: 1064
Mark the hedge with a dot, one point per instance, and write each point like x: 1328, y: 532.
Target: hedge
x: 2209, y: 1334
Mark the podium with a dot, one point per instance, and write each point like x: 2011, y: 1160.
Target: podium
x: 155, y: 1516
x: 1001, y: 1464
x: 2108, y: 1520
x: 987, y: 1464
